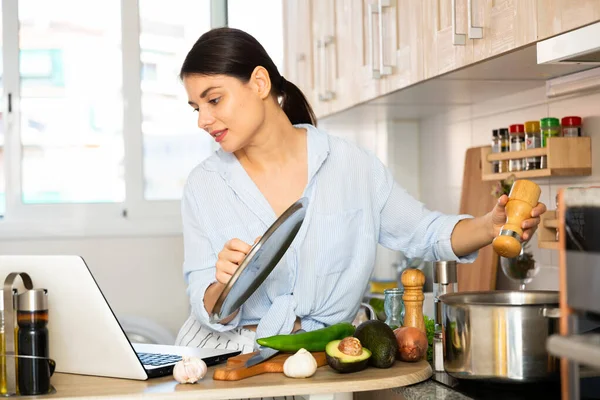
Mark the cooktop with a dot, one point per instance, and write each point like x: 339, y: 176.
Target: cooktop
x: 484, y: 390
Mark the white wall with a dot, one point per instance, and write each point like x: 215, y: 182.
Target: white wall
x: 138, y: 276
x: 444, y: 139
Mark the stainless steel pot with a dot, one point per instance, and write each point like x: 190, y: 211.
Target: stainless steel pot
x: 500, y: 336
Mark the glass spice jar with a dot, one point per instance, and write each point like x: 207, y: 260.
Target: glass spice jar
x: 504, y: 147
x: 533, y: 140
x: 549, y: 127
x: 571, y: 126
x: 495, y: 149
x: 394, y: 307
x: 517, y: 143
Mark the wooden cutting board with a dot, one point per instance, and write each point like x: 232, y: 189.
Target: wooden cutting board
x: 235, y: 368
x: 477, y: 200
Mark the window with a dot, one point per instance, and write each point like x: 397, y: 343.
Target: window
x: 2, y: 113
x: 173, y: 143
x: 70, y: 102
x: 99, y: 136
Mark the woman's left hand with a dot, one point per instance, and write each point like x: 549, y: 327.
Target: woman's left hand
x: 529, y: 225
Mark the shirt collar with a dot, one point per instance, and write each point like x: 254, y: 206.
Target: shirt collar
x: 318, y: 151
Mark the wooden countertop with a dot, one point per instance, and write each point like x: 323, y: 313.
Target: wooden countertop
x: 324, y: 381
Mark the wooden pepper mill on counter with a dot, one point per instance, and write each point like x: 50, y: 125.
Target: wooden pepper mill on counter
x: 523, y: 197
x: 413, y: 281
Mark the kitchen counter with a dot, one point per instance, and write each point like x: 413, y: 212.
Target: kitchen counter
x: 324, y: 383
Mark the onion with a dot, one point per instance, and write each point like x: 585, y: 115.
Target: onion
x: 412, y: 343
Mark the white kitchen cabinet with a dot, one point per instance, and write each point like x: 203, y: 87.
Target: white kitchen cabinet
x: 390, y: 53
x: 403, y: 44
x: 501, y: 26
x: 344, y: 69
x: 558, y: 16
x: 365, y: 56
x: 298, y: 54
x: 363, y: 49
x: 460, y: 32
x: 322, y: 54
x: 324, y: 59
x: 446, y: 46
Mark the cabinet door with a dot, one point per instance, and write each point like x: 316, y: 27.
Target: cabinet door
x: 403, y: 43
x: 345, y: 63
x: 445, y: 43
x: 365, y: 29
x: 498, y: 26
x: 558, y: 16
x: 298, y: 45
x: 324, y: 60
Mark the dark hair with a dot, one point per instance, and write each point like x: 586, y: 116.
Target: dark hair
x: 232, y: 52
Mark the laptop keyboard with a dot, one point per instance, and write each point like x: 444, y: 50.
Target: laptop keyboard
x: 158, y: 359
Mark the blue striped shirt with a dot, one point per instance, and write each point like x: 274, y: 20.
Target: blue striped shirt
x: 354, y: 203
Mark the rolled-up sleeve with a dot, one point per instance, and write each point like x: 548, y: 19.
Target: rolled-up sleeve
x: 199, y: 262
x: 406, y: 225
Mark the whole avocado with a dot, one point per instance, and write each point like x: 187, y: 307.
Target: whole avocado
x: 379, y: 338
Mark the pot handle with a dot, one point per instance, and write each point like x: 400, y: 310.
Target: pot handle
x: 550, y: 312
x: 371, y: 311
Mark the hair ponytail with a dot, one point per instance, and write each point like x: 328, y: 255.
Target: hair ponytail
x: 232, y: 52
x: 295, y: 105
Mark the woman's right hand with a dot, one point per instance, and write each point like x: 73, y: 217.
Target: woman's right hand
x: 228, y: 261
x: 230, y: 258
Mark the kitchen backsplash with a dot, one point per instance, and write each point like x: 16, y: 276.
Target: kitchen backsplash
x: 444, y: 139
x: 427, y: 157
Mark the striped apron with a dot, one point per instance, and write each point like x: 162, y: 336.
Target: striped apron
x: 194, y: 334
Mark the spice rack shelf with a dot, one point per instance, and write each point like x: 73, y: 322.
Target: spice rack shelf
x: 547, y: 231
x: 566, y: 156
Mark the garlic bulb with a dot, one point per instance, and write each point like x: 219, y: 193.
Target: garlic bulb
x: 300, y: 365
x: 189, y: 370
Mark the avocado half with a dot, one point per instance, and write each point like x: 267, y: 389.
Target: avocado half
x: 344, y: 363
x: 380, y: 339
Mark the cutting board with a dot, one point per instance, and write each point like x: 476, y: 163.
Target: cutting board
x: 235, y: 370
x: 477, y: 200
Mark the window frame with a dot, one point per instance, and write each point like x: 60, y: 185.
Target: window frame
x: 136, y: 216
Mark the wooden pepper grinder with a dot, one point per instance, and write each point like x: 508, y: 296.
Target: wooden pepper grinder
x: 524, y: 195
x: 413, y: 281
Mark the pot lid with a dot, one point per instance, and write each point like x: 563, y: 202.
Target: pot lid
x: 260, y: 261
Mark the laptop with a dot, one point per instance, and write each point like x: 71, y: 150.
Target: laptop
x: 85, y: 336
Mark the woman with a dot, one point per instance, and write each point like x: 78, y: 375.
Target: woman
x: 271, y: 155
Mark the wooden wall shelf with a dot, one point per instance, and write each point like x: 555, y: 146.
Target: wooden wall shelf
x: 566, y: 156
x: 548, y: 245
x: 547, y: 231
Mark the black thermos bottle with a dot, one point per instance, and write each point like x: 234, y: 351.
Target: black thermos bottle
x: 32, y: 318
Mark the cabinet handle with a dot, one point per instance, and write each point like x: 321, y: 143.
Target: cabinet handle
x: 327, y: 94
x: 320, y: 70
x: 376, y: 72
x: 475, y: 32
x: 383, y: 69
x: 457, y: 38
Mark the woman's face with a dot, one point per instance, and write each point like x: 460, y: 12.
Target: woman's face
x: 229, y: 110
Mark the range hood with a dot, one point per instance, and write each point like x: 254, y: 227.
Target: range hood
x: 580, y: 46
